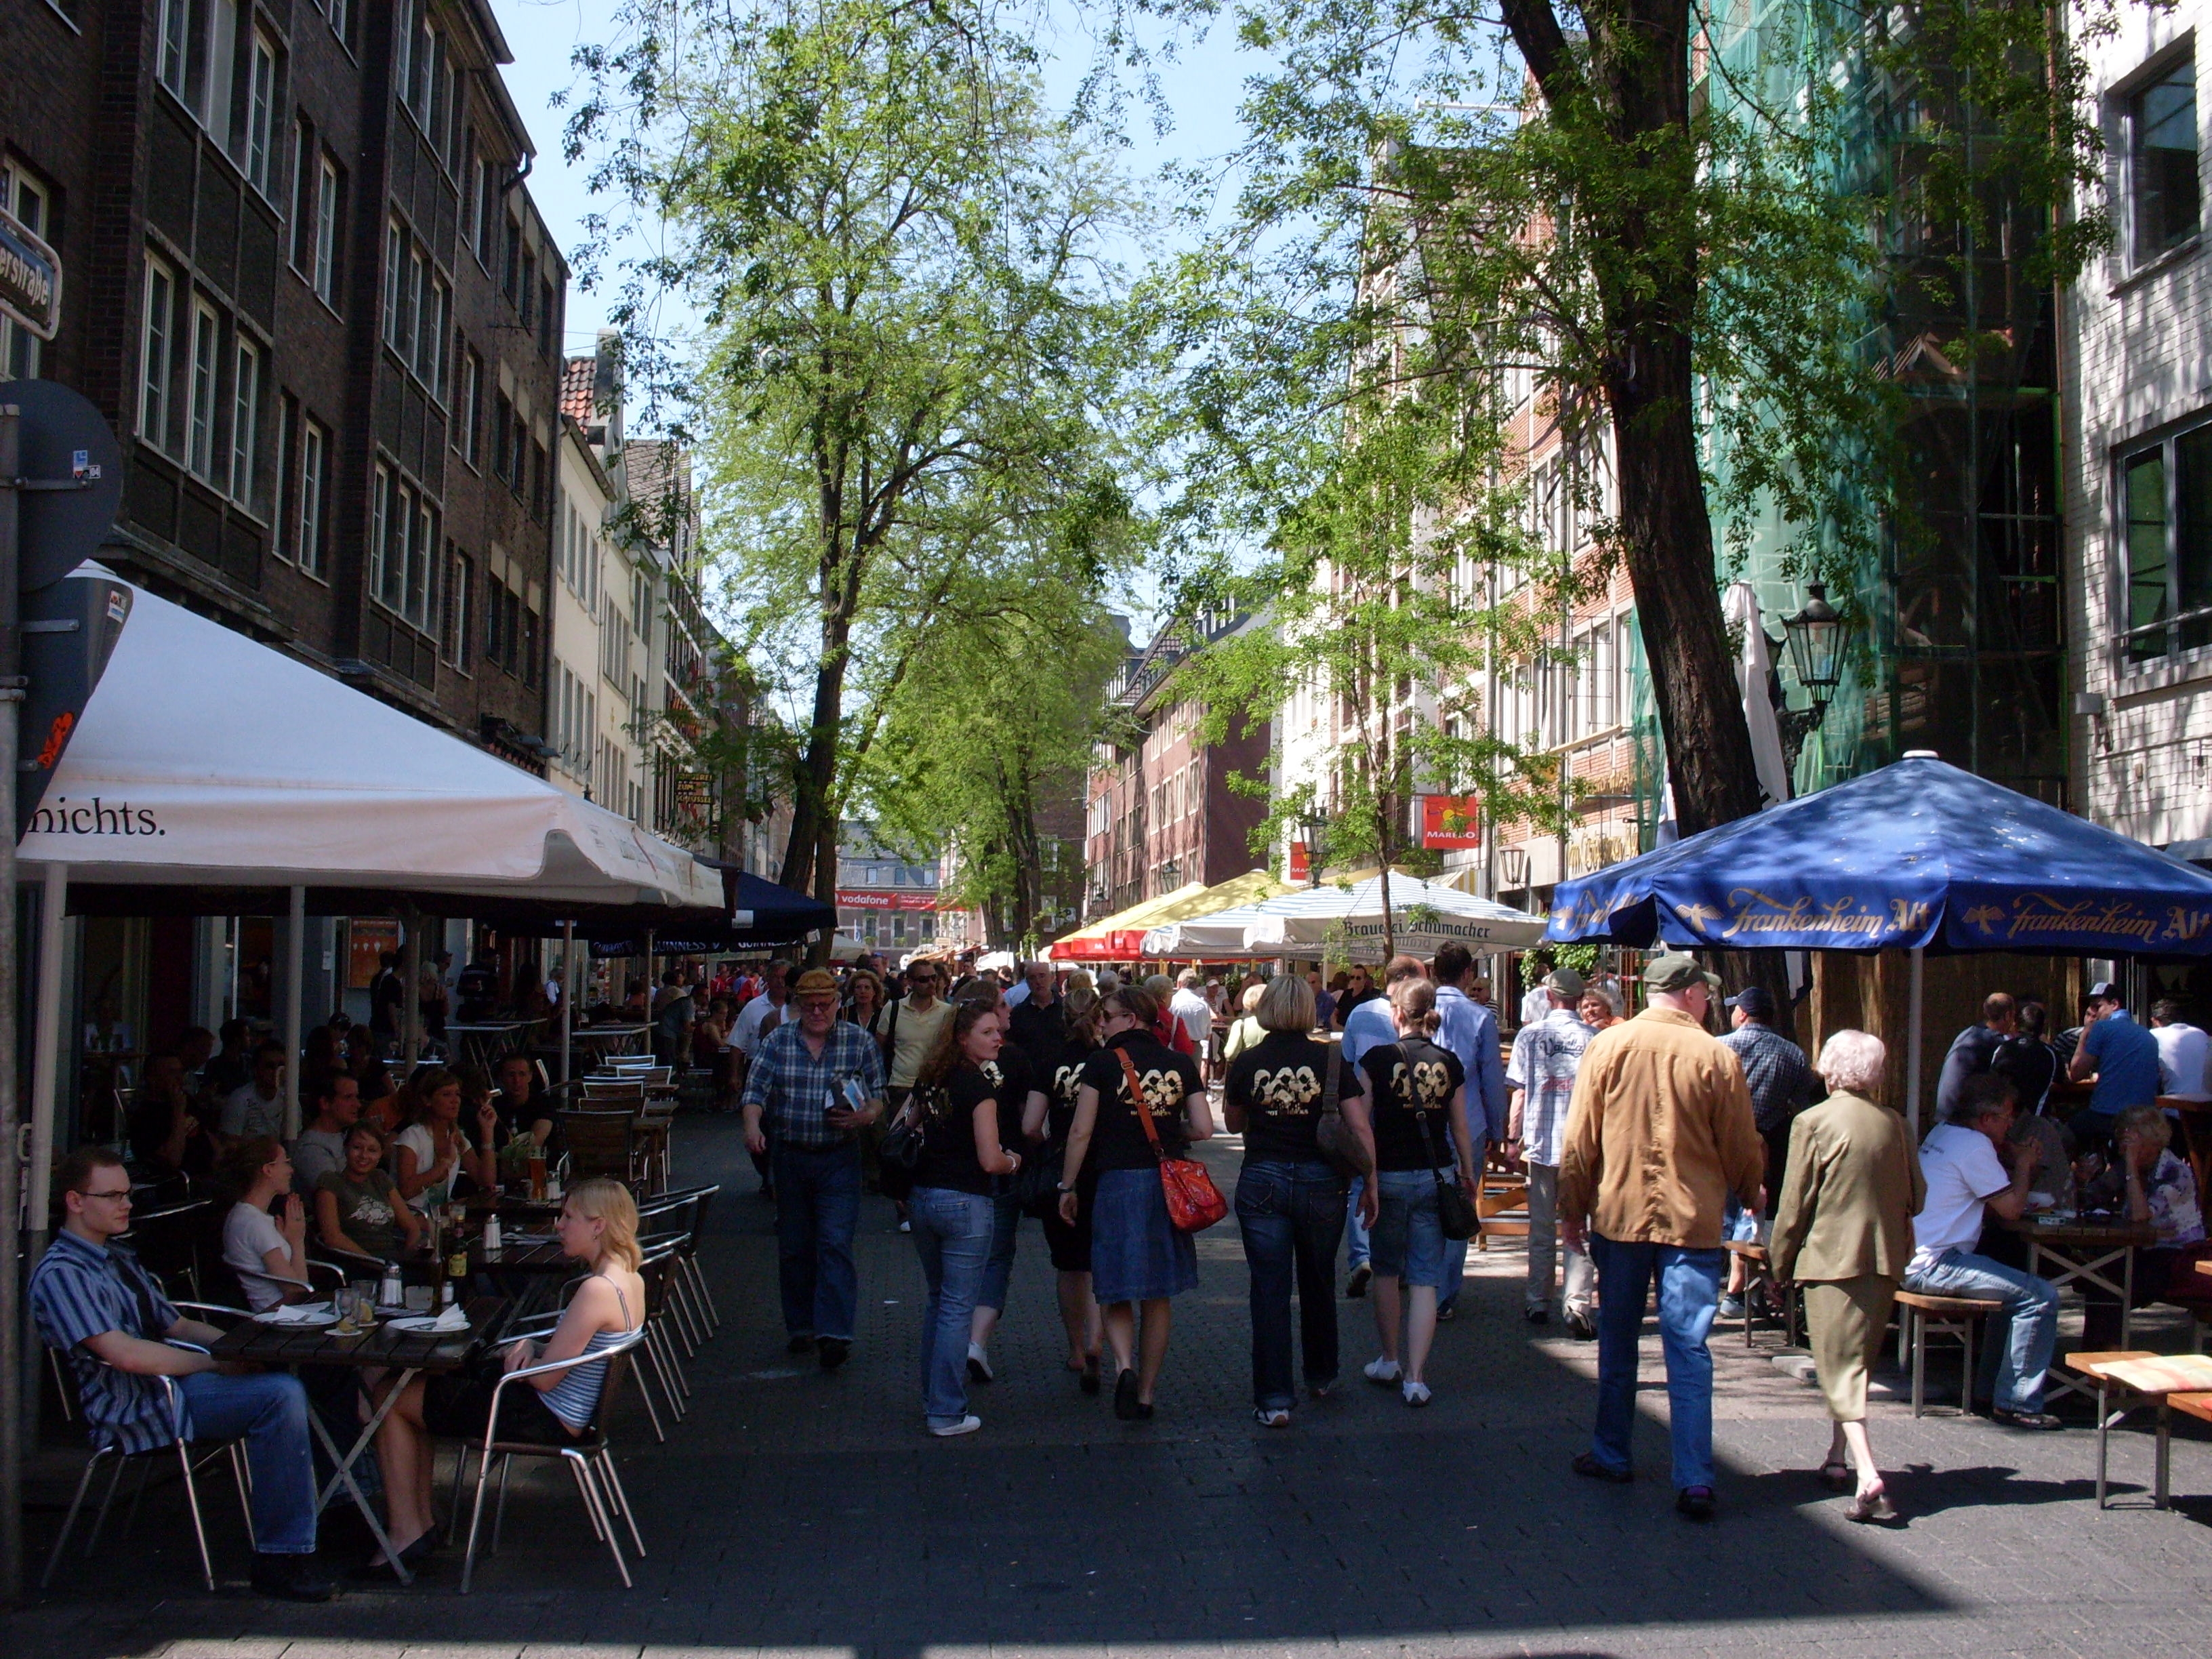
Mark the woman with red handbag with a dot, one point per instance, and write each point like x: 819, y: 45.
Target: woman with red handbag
x: 1138, y: 1105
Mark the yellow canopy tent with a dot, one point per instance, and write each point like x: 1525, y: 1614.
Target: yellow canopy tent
x: 1118, y: 938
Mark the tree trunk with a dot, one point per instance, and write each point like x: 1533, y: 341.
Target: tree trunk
x: 812, y: 800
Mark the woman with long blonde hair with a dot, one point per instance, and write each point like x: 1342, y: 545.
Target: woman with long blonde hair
x: 598, y: 1226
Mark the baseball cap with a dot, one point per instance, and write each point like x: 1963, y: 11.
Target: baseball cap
x: 1754, y: 1001
x: 1565, y: 981
x: 2105, y: 991
x: 816, y: 982
x: 1676, y: 971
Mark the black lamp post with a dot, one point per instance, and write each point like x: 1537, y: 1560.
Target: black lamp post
x: 1170, y: 876
x: 1816, y: 639
x: 1314, y: 822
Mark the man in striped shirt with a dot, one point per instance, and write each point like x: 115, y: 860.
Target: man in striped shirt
x: 94, y: 1302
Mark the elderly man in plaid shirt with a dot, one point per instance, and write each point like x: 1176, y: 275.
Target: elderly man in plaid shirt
x: 818, y: 1080
x: 1546, y: 1054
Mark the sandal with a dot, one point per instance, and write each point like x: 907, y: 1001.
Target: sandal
x: 1837, y: 1476
x: 1276, y: 1419
x: 1872, y: 1504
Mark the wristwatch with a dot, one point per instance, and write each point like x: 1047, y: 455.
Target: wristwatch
x: 1063, y: 1186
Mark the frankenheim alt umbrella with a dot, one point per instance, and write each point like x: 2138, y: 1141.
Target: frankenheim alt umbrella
x: 1917, y: 856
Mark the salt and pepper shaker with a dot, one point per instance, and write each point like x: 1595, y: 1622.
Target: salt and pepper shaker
x: 392, y: 1293
x: 491, y: 1236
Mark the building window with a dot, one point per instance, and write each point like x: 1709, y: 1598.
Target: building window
x: 2165, y: 494
x: 153, y: 354
x: 301, y: 250
x: 288, y: 443
x: 245, y: 421
x: 329, y: 200
x: 175, y: 65
x: 2162, y: 160
x: 341, y: 17
x: 206, y: 373
x: 395, y: 276
x: 314, y: 452
x: 457, y: 610
x: 20, y: 352
x: 468, y: 427
x: 430, y: 347
x: 261, y: 111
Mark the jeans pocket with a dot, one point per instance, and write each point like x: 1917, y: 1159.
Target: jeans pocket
x: 1260, y: 1194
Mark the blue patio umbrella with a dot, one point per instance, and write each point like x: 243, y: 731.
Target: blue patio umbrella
x: 1918, y: 855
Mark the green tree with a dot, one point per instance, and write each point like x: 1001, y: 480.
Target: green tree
x: 912, y: 336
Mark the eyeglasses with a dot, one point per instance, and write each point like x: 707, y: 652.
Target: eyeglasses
x: 124, y: 1192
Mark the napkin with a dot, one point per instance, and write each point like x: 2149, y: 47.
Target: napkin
x: 294, y: 1313
x: 451, y: 1321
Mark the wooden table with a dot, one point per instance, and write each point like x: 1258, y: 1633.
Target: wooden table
x: 382, y: 1349
x: 2083, y: 1252
x: 2148, y: 1379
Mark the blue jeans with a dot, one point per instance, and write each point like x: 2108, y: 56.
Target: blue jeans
x: 2017, y: 1351
x: 999, y: 1271
x: 817, y: 1207
x: 952, y: 1233
x: 1291, y: 1215
x: 270, y: 1411
x: 1455, y: 1249
x: 1689, y: 1296
x: 1358, y: 1250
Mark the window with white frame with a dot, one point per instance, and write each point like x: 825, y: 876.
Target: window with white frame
x: 203, y: 386
x: 459, y: 595
x: 174, y: 65
x: 430, y: 345
x: 395, y: 281
x: 261, y: 111
x: 22, y: 352
x: 329, y: 190
x: 314, y: 468
x: 245, y: 420
x: 156, y: 353
x: 2166, y: 507
x: 407, y: 541
x: 2162, y: 181
x: 341, y: 16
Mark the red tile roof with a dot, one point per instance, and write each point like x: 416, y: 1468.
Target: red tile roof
x: 576, y: 378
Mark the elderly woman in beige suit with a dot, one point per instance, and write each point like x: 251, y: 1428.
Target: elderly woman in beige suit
x: 1843, y: 1231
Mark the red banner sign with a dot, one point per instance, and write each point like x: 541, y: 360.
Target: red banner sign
x: 1301, y: 864
x: 1450, y: 821
x: 871, y: 898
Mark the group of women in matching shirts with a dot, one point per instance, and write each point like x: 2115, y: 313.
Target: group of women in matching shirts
x: 985, y: 1104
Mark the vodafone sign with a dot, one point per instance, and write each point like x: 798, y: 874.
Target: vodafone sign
x: 870, y: 898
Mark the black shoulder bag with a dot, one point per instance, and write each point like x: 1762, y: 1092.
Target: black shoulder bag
x: 1456, y: 1212
x: 1338, y: 1144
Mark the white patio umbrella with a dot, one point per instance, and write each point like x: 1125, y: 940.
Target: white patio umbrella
x: 203, y: 758
x: 1347, y: 922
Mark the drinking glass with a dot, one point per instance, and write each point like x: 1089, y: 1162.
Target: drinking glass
x: 344, y: 1300
x: 364, y: 1303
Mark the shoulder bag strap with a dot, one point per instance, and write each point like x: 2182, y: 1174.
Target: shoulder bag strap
x: 1331, y: 1083
x: 1137, y: 1103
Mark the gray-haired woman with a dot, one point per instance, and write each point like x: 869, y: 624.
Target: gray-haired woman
x: 1843, y: 1231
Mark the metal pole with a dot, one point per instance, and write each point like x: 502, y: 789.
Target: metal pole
x: 45, y: 1054
x: 13, y: 1380
x: 1912, y: 1023
x: 411, y: 976
x: 567, y: 991
x: 296, y: 950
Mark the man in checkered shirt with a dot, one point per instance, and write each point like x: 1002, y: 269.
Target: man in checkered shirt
x: 1547, y: 1054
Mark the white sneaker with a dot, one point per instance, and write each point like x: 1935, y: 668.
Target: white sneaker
x: 1417, y: 1394
x: 906, y: 1226
x: 979, y: 1363
x: 967, y: 1425
x: 1382, y: 1372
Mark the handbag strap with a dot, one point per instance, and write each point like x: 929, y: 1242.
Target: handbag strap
x: 1421, y: 1118
x: 1330, y: 1082
x: 1137, y: 1103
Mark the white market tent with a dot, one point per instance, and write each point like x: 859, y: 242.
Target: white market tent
x: 206, y: 759
x: 1347, y: 923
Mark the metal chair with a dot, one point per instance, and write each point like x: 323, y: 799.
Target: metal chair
x: 588, y: 1457
x: 191, y: 1457
x: 600, y: 1143
x: 692, y: 1279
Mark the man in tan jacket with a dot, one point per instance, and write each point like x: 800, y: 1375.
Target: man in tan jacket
x: 1659, y: 1131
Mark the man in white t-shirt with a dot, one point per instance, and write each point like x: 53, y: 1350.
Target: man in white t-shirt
x: 745, y: 1039
x: 1966, y: 1183
x: 1188, y: 1004
x: 2183, y: 1050
x: 256, y: 1107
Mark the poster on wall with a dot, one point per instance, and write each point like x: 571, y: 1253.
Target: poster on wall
x: 366, y: 940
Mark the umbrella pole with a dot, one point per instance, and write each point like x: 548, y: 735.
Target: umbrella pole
x: 1912, y: 1036
x: 568, y: 991
x: 45, y: 1059
x: 295, y: 950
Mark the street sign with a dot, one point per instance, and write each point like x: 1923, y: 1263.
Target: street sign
x: 74, y: 467
x: 70, y: 630
x: 30, y: 277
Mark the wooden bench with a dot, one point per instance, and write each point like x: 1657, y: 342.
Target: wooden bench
x: 2119, y: 1371
x: 1921, y: 1317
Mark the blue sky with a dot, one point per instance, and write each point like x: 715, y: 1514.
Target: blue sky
x: 1201, y: 89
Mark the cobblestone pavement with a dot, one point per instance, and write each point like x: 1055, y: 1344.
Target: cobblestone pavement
x: 796, y: 1512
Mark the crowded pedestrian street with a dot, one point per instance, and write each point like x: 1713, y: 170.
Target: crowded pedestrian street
x: 797, y: 1513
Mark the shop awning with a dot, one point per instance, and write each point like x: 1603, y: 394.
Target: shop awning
x: 1121, y: 937
x: 206, y: 759
x: 1346, y: 923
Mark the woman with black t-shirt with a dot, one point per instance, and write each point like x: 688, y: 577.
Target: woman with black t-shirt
x: 1021, y: 1103
x: 1418, y: 1104
x: 952, y: 1205
x: 1070, y: 1241
x: 1137, y: 1257
x: 1289, y: 1198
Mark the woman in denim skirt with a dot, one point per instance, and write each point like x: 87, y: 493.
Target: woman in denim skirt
x: 953, y: 1211
x: 1289, y: 1198
x: 1138, y: 1259
x: 1418, y: 1097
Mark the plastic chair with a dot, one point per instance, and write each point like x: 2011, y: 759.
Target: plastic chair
x: 588, y: 1457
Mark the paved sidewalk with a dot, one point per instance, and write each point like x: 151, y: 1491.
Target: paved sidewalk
x: 796, y: 1512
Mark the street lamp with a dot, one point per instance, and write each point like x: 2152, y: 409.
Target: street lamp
x: 1170, y: 876
x: 1513, y: 868
x: 1816, y: 637
x: 1314, y: 821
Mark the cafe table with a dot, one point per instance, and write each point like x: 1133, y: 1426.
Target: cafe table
x: 2082, y: 1252
x: 482, y: 1043
x: 2141, y: 1378
x: 407, y: 1355
x: 609, y: 1040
